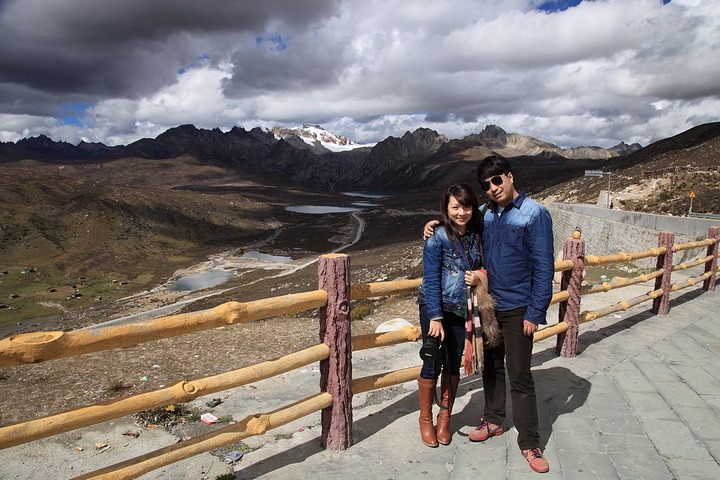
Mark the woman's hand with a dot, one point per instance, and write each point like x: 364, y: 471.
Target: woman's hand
x: 475, y: 277
x: 436, y: 330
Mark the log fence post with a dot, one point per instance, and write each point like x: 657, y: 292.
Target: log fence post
x: 661, y: 305
x: 569, y: 310
x: 336, y: 370
x: 709, y: 284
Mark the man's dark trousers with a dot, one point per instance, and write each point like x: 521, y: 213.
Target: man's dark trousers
x: 516, y: 349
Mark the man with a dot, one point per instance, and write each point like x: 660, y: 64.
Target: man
x: 518, y: 247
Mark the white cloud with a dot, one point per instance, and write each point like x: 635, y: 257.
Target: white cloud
x: 20, y: 126
x: 592, y: 74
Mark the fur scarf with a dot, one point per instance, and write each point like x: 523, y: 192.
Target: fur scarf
x: 482, y: 328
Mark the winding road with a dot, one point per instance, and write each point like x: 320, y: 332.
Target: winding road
x: 171, y: 309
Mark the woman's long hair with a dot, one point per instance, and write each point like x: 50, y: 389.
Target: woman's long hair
x: 465, y: 195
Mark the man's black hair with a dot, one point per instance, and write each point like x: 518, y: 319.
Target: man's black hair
x: 491, y: 166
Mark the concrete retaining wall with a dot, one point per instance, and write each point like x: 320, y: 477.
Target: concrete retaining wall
x: 605, y: 236
x: 696, y: 228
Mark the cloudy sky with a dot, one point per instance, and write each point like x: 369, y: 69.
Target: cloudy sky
x: 566, y: 71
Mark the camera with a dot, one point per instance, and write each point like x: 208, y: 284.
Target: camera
x: 430, y: 351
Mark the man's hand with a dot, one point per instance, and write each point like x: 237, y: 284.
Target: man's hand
x: 529, y: 328
x: 430, y: 228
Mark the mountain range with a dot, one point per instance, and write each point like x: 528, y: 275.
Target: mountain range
x: 319, y: 159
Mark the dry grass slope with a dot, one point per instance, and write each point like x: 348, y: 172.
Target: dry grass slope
x: 658, y: 179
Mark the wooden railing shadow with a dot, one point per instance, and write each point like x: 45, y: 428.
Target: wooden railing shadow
x: 334, y: 354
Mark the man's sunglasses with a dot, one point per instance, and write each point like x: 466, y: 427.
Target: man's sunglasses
x: 497, y: 180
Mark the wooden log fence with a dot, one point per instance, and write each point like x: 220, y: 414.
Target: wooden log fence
x: 567, y: 327
x: 42, y: 346
x: 334, y: 353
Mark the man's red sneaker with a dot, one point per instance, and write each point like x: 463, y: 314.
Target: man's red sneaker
x: 536, y: 460
x: 484, y: 431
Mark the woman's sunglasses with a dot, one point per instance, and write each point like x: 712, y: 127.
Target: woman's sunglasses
x: 497, y: 180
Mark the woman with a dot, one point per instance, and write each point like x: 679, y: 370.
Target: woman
x: 451, y: 261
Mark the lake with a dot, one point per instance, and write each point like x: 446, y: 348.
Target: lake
x: 323, y: 209
x: 201, y: 280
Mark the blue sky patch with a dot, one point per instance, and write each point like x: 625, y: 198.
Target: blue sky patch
x: 280, y: 43
x: 552, y: 6
x: 73, y: 113
x: 200, y: 58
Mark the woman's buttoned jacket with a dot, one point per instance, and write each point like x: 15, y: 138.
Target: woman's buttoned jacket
x: 444, y: 266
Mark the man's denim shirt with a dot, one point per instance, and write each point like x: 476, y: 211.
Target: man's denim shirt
x: 519, y: 258
x: 444, y: 267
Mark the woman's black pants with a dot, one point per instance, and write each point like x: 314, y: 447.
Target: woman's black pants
x: 454, y: 328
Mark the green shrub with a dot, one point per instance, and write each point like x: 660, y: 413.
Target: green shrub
x: 360, y: 312
x: 167, y: 416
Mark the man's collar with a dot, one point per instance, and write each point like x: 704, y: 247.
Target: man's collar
x: 515, y: 202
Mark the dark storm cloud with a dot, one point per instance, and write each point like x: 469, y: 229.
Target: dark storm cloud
x: 278, y: 64
x: 128, y: 48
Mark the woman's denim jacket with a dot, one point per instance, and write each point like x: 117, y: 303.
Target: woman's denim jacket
x: 444, y: 267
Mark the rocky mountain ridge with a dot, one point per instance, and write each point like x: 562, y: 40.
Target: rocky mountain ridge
x: 309, y: 154
x: 515, y: 145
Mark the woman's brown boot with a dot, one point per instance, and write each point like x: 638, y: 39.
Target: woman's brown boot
x: 448, y: 399
x: 426, y: 393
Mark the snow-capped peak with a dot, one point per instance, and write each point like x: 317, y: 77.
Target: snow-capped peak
x: 314, y: 134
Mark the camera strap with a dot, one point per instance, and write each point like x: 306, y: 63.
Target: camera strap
x: 445, y: 367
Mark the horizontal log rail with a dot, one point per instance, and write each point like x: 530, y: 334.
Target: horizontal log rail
x: 383, y: 289
x: 562, y: 327
x: 385, y: 339
x: 564, y: 265
x: 251, y: 425
x: 185, y: 391
x: 692, y: 245
x: 694, y: 263
x: 550, y: 331
x: 42, y: 346
x: 561, y: 296
x: 594, y: 260
x: 38, y: 347
x: 691, y: 282
x: 620, y: 306
x: 620, y: 283
x: 384, y: 380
